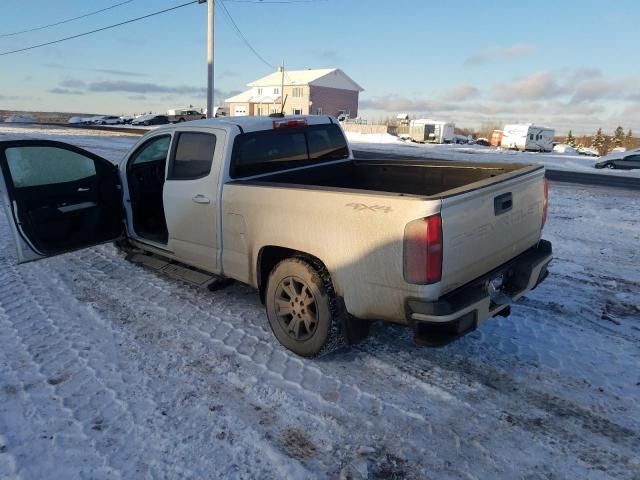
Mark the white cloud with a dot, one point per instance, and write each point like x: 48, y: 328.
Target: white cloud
x: 539, y: 85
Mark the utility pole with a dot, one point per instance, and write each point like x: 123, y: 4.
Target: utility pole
x: 282, y: 90
x: 210, y: 47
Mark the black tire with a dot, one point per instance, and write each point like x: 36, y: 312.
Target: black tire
x: 612, y: 166
x: 302, y: 307
x: 180, y: 120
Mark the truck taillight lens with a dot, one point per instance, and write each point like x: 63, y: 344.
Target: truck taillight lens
x: 423, y: 250
x: 545, y: 202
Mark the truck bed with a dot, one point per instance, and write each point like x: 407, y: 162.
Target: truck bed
x: 424, y: 178
x: 491, y: 212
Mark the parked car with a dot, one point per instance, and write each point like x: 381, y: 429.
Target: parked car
x: 151, y: 119
x: 20, y: 118
x: 330, y: 242
x: 177, y: 115
x: 565, y: 149
x: 588, y: 152
x: 127, y: 119
x: 629, y: 161
x: 108, y: 120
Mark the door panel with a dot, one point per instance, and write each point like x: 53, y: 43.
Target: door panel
x: 190, y: 197
x: 630, y: 162
x: 58, y: 197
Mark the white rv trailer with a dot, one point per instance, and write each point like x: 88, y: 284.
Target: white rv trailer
x: 425, y: 130
x: 528, y: 137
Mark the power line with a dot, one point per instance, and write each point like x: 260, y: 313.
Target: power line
x: 64, y: 21
x: 242, y: 37
x: 98, y: 29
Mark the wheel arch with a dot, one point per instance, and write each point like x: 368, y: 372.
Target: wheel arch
x: 270, y: 255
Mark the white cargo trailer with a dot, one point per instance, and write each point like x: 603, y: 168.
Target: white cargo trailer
x: 431, y: 131
x: 528, y: 137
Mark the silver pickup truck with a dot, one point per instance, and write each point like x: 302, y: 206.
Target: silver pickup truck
x: 329, y: 241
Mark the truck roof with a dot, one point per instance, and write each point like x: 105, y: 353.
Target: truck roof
x: 253, y: 124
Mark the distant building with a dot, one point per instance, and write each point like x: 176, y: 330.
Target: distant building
x: 306, y: 92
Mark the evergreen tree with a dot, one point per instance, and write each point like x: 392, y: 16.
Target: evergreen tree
x: 598, y: 142
x: 618, y: 137
x: 628, y: 139
x: 570, y: 140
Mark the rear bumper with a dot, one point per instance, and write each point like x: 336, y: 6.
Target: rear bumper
x: 461, y: 311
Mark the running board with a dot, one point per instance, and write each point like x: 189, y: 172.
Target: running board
x: 178, y: 271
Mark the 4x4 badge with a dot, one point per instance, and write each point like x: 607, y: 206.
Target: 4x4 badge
x: 374, y: 208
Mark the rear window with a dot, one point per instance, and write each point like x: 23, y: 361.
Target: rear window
x: 272, y: 150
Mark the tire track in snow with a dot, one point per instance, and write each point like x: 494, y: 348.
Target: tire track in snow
x: 15, y: 321
x: 548, y: 417
x: 299, y: 377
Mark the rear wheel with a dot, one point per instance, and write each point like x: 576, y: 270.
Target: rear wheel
x: 302, y: 308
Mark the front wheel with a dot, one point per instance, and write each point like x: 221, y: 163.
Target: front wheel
x: 302, y: 308
x: 611, y: 166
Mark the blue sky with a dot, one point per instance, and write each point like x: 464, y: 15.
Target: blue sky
x: 569, y: 64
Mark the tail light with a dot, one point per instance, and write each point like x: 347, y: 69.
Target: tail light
x: 545, y: 203
x: 423, y: 250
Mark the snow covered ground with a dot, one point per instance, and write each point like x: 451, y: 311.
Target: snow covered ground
x: 386, y: 143
x: 108, y: 370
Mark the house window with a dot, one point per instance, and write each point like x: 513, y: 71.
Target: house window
x: 297, y: 92
x: 318, y: 111
x: 276, y: 91
x: 259, y: 91
x: 531, y: 136
x: 297, y: 111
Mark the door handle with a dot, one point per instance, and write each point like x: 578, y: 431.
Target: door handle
x: 502, y: 203
x: 201, y: 199
x: 82, y: 189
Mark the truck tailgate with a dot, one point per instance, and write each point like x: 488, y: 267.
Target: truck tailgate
x: 490, y: 224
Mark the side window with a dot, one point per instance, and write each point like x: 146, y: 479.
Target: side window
x: 34, y: 166
x: 154, y: 150
x: 327, y: 142
x: 193, y: 155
